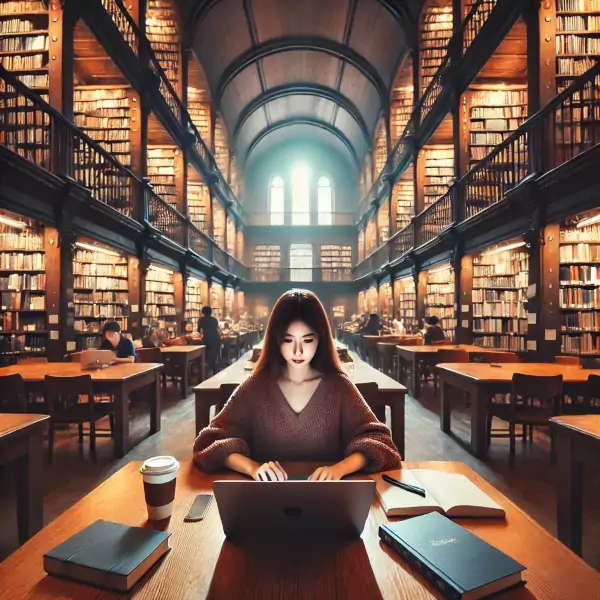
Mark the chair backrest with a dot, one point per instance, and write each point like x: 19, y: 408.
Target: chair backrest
x: 149, y: 355
x: 567, y: 360
x: 496, y: 357
x: 545, y: 388
x: 225, y: 392
x: 590, y: 363
x: 370, y: 392
x: 13, y: 397
x: 69, y: 389
x: 455, y: 355
x: 592, y: 390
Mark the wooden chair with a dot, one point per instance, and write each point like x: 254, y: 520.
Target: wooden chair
x: 567, y: 360
x: 534, y: 400
x: 370, y: 392
x: 13, y: 397
x: 225, y: 392
x: 62, y: 398
x: 590, y: 363
x: 591, y: 403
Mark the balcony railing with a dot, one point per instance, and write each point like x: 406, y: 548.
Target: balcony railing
x: 402, y: 242
x: 475, y: 20
x: 200, y: 243
x: 434, y: 219
x: 434, y: 89
x: 278, y: 219
x: 124, y: 22
x: 315, y: 274
x: 167, y: 219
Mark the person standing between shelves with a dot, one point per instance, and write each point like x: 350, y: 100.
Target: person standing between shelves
x: 298, y: 405
x: 208, y: 326
x: 114, y: 340
x: 434, y: 332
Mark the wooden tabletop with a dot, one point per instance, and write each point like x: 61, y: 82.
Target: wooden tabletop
x: 180, y: 349
x: 585, y: 424
x: 358, y: 370
x: 431, y: 349
x: 119, y: 372
x: 484, y: 372
x: 14, y: 424
x: 202, y: 564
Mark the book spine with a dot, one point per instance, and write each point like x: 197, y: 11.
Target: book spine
x: 444, y: 586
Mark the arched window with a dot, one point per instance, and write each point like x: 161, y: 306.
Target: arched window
x: 300, y: 195
x: 276, y: 201
x: 324, y: 201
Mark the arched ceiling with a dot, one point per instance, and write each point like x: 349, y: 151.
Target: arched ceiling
x: 277, y: 67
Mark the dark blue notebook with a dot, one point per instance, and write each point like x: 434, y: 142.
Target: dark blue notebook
x: 460, y: 564
x: 108, y: 555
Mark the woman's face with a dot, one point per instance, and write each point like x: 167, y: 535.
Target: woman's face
x: 299, y: 345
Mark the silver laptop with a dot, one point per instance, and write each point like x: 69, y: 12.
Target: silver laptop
x: 96, y: 359
x: 285, y: 508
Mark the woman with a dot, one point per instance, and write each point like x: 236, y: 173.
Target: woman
x: 298, y: 405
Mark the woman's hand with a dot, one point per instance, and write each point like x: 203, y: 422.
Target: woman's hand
x: 332, y: 473
x: 270, y: 471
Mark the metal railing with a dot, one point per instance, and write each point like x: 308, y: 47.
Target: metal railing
x: 292, y: 274
x: 287, y: 218
x: 475, y: 20
x: 200, y: 243
x: 434, y: 89
x: 402, y: 242
x: 124, y: 23
x: 166, y: 218
x: 434, y: 219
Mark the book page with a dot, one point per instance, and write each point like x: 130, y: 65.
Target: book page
x: 397, y: 502
x: 457, y: 494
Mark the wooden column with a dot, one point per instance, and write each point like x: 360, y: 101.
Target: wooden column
x: 181, y: 181
x: 421, y: 289
x: 464, y: 295
x: 179, y: 282
x: 549, y: 314
x: 138, y: 134
x: 419, y: 174
x: 61, y: 25
x: 143, y: 266
x: 66, y: 318
x: 135, y: 296
x: 55, y: 345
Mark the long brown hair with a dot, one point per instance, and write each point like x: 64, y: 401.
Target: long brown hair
x: 298, y: 305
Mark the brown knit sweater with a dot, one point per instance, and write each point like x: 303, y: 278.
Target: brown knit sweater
x: 259, y: 423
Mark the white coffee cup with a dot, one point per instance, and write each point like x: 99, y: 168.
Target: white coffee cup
x: 160, y: 475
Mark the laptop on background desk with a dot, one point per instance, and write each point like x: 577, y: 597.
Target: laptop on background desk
x: 96, y: 359
x: 253, y: 509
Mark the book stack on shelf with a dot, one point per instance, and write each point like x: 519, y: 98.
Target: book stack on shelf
x: 381, y: 151
x: 361, y: 245
x: 100, y: 292
x: 439, y: 172
x: 386, y: 306
x: 195, y: 299
x: 402, y: 107
x: 161, y: 171
x: 362, y: 302
x: 372, y: 300
x: 436, y: 31
x: 159, y: 304
x: 221, y: 147
x: 336, y: 262
x: 383, y: 222
x: 217, y: 300
x: 500, y: 280
x: 219, y: 224
x: 404, y: 197
x: 577, y: 40
x: 440, y: 299
x: 579, y: 289
x: 162, y: 31
x: 24, y: 42
x: 103, y: 113
x: 230, y: 236
x: 493, y: 116
x: 199, y: 109
x: 22, y: 290
x: 405, y: 294
x: 371, y: 237
x: 198, y: 198
x: 267, y: 262
x: 229, y: 300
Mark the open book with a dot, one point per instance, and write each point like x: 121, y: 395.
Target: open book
x: 452, y: 494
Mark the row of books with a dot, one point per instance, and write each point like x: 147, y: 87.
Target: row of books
x: 576, y: 44
x: 159, y: 286
x: 509, y: 265
x: 590, y: 23
x: 85, y: 326
x: 22, y: 43
x: 590, y: 233
x: 35, y: 81
x: 492, y: 125
x: 99, y: 269
x: 26, y: 344
x: 579, y: 253
x: 104, y: 311
x: 25, y: 281
x: 577, y: 5
x: 22, y: 262
x: 504, y: 296
x: 498, y: 112
x: 499, y: 309
x: 581, y: 321
x: 14, y: 321
x: 501, y: 342
x: 156, y: 298
x: 521, y: 280
x: 101, y: 297
x: 579, y: 274
x: 574, y: 297
x: 21, y: 240
x: 160, y: 311
x: 18, y: 62
x: 574, y: 66
x: 514, y: 326
x: 584, y: 343
x: 21, y: 301
x: 100, y: 283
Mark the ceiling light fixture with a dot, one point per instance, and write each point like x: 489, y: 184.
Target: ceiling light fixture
x: 441, y: 269
x: 589, y: 221
x: 12, y: 222
x: 96, y: 249
x: 504, y: 248
x: 161, y: 269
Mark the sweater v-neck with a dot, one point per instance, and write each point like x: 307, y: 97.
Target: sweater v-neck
x: 308, y: 404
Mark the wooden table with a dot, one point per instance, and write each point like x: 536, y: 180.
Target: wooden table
x: 481, y: 380
x: 409, y: 356
x: 208, y: 392
x: 22, y: 443
x: 177, y: 362
x: 202, y: 564
x: 118, y: 380
x: 578, y: 444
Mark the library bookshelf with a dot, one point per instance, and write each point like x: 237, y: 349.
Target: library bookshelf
x: 438, y: 172
x: 440, y: 298
x: 336, y: 262
x: 24, y: 322
x: 405, y: 297
x: 199, y: 110
x: 196, y: 297
x: 267, y: 262
x: 198, y: 199
x: 221, y: 147
x: 229, y: 302
x: 380, y: 148
x: 383, y: 222
x: 402, y: 107
x: 100, y: 292
x: 217, y: 300
x: 386, y: 306
x: 435, y: 33
x: 161, y: 170
x: 219, y: 223
x: 159, y: 300
x: 230, y: 236
x: 162, y: 30
x: 499, y: 289
x: 403, y: 196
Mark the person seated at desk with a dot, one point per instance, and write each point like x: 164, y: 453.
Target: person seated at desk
x: 372, y: 326
x: 114, y: 340
x: 399, y: 328
x: 434, y: 331
x: 152, y: 339
x: 208, y: 326
x: 298, y: 405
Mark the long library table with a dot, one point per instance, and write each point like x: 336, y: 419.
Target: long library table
x: 203, y: 564
x: 578, y: 444
x: 22, y: 445
x: 177, y: 362
x: 118, y: 380
x: 409, y: 356
x: 208, y: 393
x: 481, y: 381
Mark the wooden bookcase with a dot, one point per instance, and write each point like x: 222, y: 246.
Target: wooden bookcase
x: 162, y: 29
x: 198, y: 199
x: 217, y: 300
x: 371, y: 236
x: 579, y: 255
x: 229, y: 301
x: 440, y: 300
x: 436, y: 29
x: 402, y: 107
x: 159, y: 300
x: 383, y: 222
x: 196, y: 297
x: 385, y: 304
x: 219, y: 224
x: 372, y: 300
x: 199, y: 109
x: 403, y: 197
x: 405, y: 298
x: 221, y: 147
x: 230, y: 236
x: 380, y: 149
x: 100, y: 292
x: 104, y: 114
x: 438, y: 172
x: 161, y: 169
x: 361, y: 246
x: 267, y: 262
x: 499, y: 287
x: 24, y: 324
x: 362, y: 302
x: 336, y: 262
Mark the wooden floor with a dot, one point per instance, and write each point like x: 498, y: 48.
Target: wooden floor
x: 530, y: 484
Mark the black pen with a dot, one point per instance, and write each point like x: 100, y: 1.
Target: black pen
x: 405, y: 486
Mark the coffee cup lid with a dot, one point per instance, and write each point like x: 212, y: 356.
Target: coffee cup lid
x: 159, y: 464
